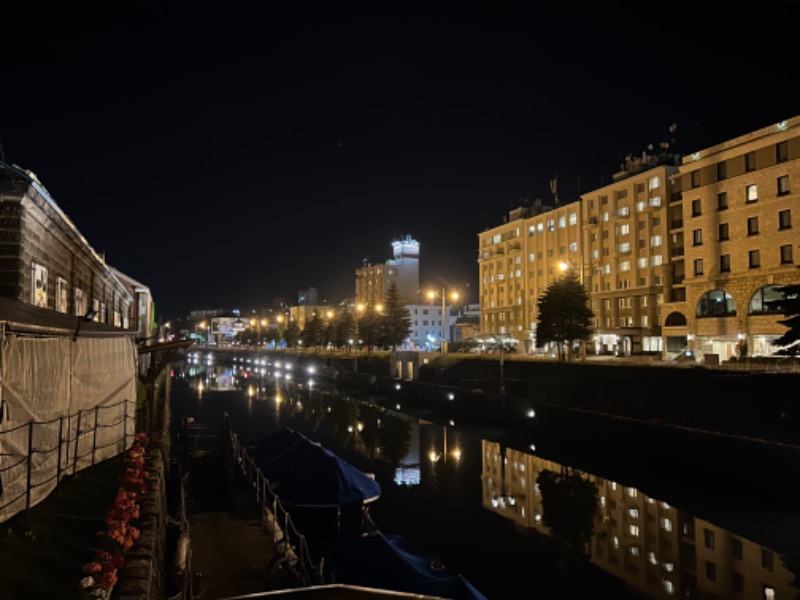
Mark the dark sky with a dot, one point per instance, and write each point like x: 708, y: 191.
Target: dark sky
x: 228, y: 153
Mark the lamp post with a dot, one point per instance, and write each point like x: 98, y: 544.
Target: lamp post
x: 359, y: 309
x: 454, y: 295
x: 566, y: 265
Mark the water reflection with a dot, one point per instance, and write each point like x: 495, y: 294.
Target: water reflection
x: 655, y: 547
x: 449, y: 489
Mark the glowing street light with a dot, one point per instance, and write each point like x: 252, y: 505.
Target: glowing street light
x: 454, y: 296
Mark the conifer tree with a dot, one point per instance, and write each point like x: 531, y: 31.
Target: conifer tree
x: 789, y: 305
x: 396, y: 323
x: 564, y: 314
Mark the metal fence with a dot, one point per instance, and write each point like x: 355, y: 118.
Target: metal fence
x: 290, y: 544
x: 36, y: 456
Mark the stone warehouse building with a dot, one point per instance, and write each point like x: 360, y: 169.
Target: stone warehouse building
x: 46, y: 262
x: 678, y: 252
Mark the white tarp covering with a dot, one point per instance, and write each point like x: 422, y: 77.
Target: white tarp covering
x: 66, y: 405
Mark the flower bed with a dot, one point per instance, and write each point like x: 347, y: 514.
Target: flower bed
x: 120, y: 533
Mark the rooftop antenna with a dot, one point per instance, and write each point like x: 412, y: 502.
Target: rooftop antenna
x: 554, y: 188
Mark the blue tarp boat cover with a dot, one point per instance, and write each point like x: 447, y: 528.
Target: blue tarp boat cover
x: 303, y: 473
x: 391, y: 562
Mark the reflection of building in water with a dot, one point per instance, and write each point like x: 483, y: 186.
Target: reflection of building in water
x: 647, y: 543
x: 408, y: 470
x: 221, y: 379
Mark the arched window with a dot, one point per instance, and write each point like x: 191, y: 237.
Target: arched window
x: 762, y: 302
x: 716, y: 303
x: 675, y: 319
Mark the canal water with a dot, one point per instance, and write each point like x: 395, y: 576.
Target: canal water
x: 515, y: 523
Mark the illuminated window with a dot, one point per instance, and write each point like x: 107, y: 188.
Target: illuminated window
x: 654, y: 183
x: 716, y: 303
x: 666, y: 524
x: 38, y: 285
x: 562, y: 222
x: 655, y: 240
x: 751, y: 193
x: 573, y: 218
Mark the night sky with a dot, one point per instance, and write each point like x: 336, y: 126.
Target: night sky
x: 228, y: 153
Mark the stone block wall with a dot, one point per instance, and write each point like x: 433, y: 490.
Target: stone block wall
x: 143, y: 575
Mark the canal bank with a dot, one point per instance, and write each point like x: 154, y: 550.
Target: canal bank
x: 683, y: 424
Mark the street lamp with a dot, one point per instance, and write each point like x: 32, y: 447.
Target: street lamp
x: 454, y: 295
x: 566, y: 265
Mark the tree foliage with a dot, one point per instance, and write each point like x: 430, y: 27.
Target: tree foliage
x: 789, y: 305
x: 291, y: 334
x: 313, y: 334
x: 370, y: 323
x: 569, y: 504
x: 396, y: 323
x: 564, y: 314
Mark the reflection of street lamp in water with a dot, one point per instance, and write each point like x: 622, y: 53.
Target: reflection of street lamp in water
x: 434, y: 455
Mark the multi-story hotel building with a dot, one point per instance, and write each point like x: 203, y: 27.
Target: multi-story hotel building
x: 676, y: 253
x: 518, y: 260
x: 737, y: 217
x: 627, y: 254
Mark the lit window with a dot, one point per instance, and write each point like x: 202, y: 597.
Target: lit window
x: 39, y: 285
x: 751, y: 193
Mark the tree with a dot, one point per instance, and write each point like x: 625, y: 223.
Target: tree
x: 396, y: 319
x: 314, y: 332
x: 370, y: 326
x: 344, y: 326
x: 569, y: 507
x: 564, y: 314
x: 789, y: 305
x: 291, y: 334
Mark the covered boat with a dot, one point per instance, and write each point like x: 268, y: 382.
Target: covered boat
x: 391, y: 562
